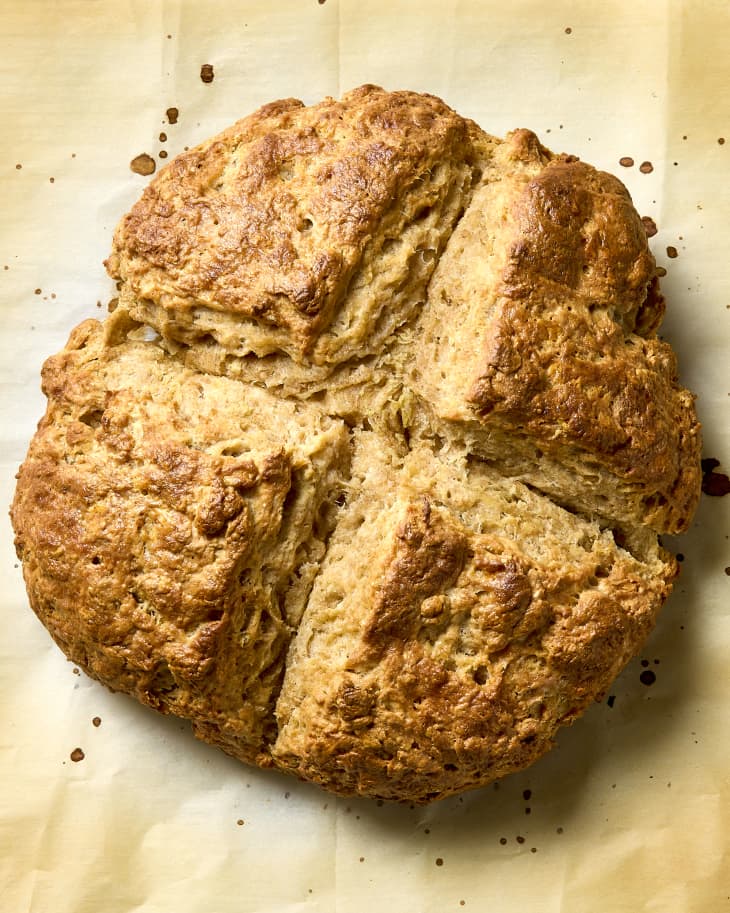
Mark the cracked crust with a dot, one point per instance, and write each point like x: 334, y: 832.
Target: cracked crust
x: 170, y: 524
x: 262, y: 236
x: 484, y: 619
x: 323, y: 514
x: 555, y: 359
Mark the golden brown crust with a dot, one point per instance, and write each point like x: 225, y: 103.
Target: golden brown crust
x: 269, y: 221
x: 152, y: 522
x: 566, y: 355
x: 471, y: 651
x: 383, y: 609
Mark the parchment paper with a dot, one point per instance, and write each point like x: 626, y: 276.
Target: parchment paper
x: 631, y: 811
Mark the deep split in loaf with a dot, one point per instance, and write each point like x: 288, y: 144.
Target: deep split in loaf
x: 380, y: 503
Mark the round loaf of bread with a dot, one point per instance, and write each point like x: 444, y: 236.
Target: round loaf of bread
x: 365, y: 472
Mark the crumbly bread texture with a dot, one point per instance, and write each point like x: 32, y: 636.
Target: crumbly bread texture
x: 457, y: 621
x: 364, y: 474
x: 170, y: 526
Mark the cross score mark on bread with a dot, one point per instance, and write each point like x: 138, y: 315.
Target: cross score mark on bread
x: 381, y: 503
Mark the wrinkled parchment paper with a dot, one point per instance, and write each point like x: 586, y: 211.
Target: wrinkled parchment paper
x: 632, y: 811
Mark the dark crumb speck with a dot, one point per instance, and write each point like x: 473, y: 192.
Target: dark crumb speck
x: 439, y: 861
x: 503, y: 841
x: 520, y: 839
x: 52, y: 180
x: 240, y: 822
x: 727, y: 571
x: 559, y: 830
x: 646, y: 167
x: 626, y: 161
x: 647, y: 677
x: 611, y: 700
x: 96, y: 721
x: 721, y: 141
x: 172, y: 115
x: 568, y: 30
x: 645, y: 663
x: 526, y: 794
x: 162, y: 154
x: 649, y: 226
x: 715, y: 484
x: 18, y: 166
x: 680, y: 557
x: 672, y: 252
x: 206, y: 72
x: 528, y: 810
x: 533, y: 849
x: 77, y: 755
x: 163, y: 137
x: 76, y: 670
x: 38, y: 291
x: 362, y: 859
x: 143, y: 164
x: 321, y: 2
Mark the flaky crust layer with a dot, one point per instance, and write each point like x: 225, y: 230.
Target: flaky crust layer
x: 379, y: 503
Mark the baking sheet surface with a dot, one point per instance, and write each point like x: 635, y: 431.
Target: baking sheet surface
x: 631, y: 812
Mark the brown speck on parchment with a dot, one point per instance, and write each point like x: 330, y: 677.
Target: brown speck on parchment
x: 97, y: 719
x: 646, y: 167
x: 649, y: 226
x: 143, y: 164
x: 721, y: 141
x: 163, y: 137
x: 206, y: 72
x: 162, y: 154
x: 439, y: 861
x: 647, y: 677
x: 568, y: 30
x: 77, y: 755
x: 172, y: 115
x: 37, y: 291
x: 18, y: 166
x: 672, y: 252
x: 240, y: 822
x: 727, y: 571
x: 715, y: 484
x: 626, y: 161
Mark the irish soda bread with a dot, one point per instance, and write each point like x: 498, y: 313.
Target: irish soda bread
x: 364, y: 474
